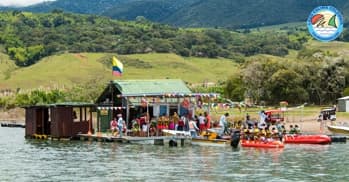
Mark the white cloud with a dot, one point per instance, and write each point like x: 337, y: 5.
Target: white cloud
x: 21, y: 2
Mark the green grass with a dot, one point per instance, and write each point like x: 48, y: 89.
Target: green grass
x: 57, y: 71
x: 192, y: 70
x: 294, y: 114
x: 6, y: 67
x: 281, y: 26
x: 66, y: 70
x: 341, y: 48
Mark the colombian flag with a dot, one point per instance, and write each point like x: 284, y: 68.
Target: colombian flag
x: 118, y: 67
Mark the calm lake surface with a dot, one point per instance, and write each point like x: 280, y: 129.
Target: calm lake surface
x: 35, y: 160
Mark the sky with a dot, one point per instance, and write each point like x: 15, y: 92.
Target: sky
x: 20, y: 2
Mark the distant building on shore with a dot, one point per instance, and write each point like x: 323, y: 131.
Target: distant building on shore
x: 343, y: 104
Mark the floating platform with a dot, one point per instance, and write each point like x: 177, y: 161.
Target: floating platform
x: 154, y: 140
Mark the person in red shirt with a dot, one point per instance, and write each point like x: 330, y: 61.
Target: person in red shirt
x: 181, y: 123
x: 208, y: 120
x: 113, y: 126
x: 142, y: 122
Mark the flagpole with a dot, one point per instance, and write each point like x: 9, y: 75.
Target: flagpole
x: 112, y: 99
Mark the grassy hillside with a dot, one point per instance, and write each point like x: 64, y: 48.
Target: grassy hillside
x: 65, y: 70
x: 6, y: 67
x: 56, y: 71
x: 192, y: 70
x: 282, y: 27
x: 341, y: 48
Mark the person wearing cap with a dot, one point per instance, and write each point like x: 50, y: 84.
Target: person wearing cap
x: 120, y: 124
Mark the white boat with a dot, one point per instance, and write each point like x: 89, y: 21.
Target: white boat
x: 176, y: 132
x: 338, y: 129
x: 210, y: 142
x: 206, y: 139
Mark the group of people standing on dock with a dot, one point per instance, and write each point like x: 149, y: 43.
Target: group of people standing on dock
x: 197, y: 123
x: 251, y: 130
x: 117, y: 126
x: 264, y: 131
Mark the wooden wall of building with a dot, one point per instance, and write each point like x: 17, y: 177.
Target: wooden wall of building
x: 30, y: 121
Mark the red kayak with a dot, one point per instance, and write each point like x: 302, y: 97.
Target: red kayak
x: 307, y: 139
x: 262, y: 144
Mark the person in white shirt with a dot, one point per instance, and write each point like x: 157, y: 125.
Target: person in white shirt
x: 193, y: 128
x: 222, y: 123
x: 120, y: 124
x: 262, y: 120
x: 202, y: 123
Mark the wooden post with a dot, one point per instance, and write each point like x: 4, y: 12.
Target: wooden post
x: 147, y: 117
x: 209, y: 104
x: 99, y: 124
x: 89, y: 122
x: 127, y: 114
x: 98, y: 116
x: 112, y: 99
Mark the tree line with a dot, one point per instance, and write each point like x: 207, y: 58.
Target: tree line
x: 317, y: 79
x: 28, y: 37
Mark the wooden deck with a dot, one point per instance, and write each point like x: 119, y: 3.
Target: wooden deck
x: 154, y: 140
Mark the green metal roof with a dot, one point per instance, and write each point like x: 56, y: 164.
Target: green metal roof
x: 151, y: 87
x: 72, y: 104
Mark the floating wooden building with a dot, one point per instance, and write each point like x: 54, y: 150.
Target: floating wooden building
x: 131, y: 98
x: 60, y: 120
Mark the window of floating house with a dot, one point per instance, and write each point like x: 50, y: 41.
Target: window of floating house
x: 163, y: 110
x: 87, y: 113
x: 76, y: 114
x: 80, y: 114
x: 173, y: 109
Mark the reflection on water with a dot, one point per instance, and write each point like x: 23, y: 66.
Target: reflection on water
x: 36, y: 160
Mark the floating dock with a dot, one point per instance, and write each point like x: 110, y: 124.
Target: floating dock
x: 13, y: 125
x: 153, y: 140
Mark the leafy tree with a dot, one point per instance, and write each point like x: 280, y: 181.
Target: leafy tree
x: 234, y: 88
x: 286, y: 85
x: 346, y: 92
x: 160, y: 45
x: 18, y: 54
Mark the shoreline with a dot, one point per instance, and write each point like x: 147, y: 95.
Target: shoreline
x: 16, y: 115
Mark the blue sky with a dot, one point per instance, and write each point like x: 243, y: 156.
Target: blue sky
x: 20, y: 2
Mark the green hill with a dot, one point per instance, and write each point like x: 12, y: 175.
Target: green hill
x: 197, y: 13
x: 6, y: 67
x: 27, y: 37
x: 67, y: 70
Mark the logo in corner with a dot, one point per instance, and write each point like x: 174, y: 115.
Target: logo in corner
x: 325, y: 23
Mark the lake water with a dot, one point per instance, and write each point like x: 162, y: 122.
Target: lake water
x: 35, y: 160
